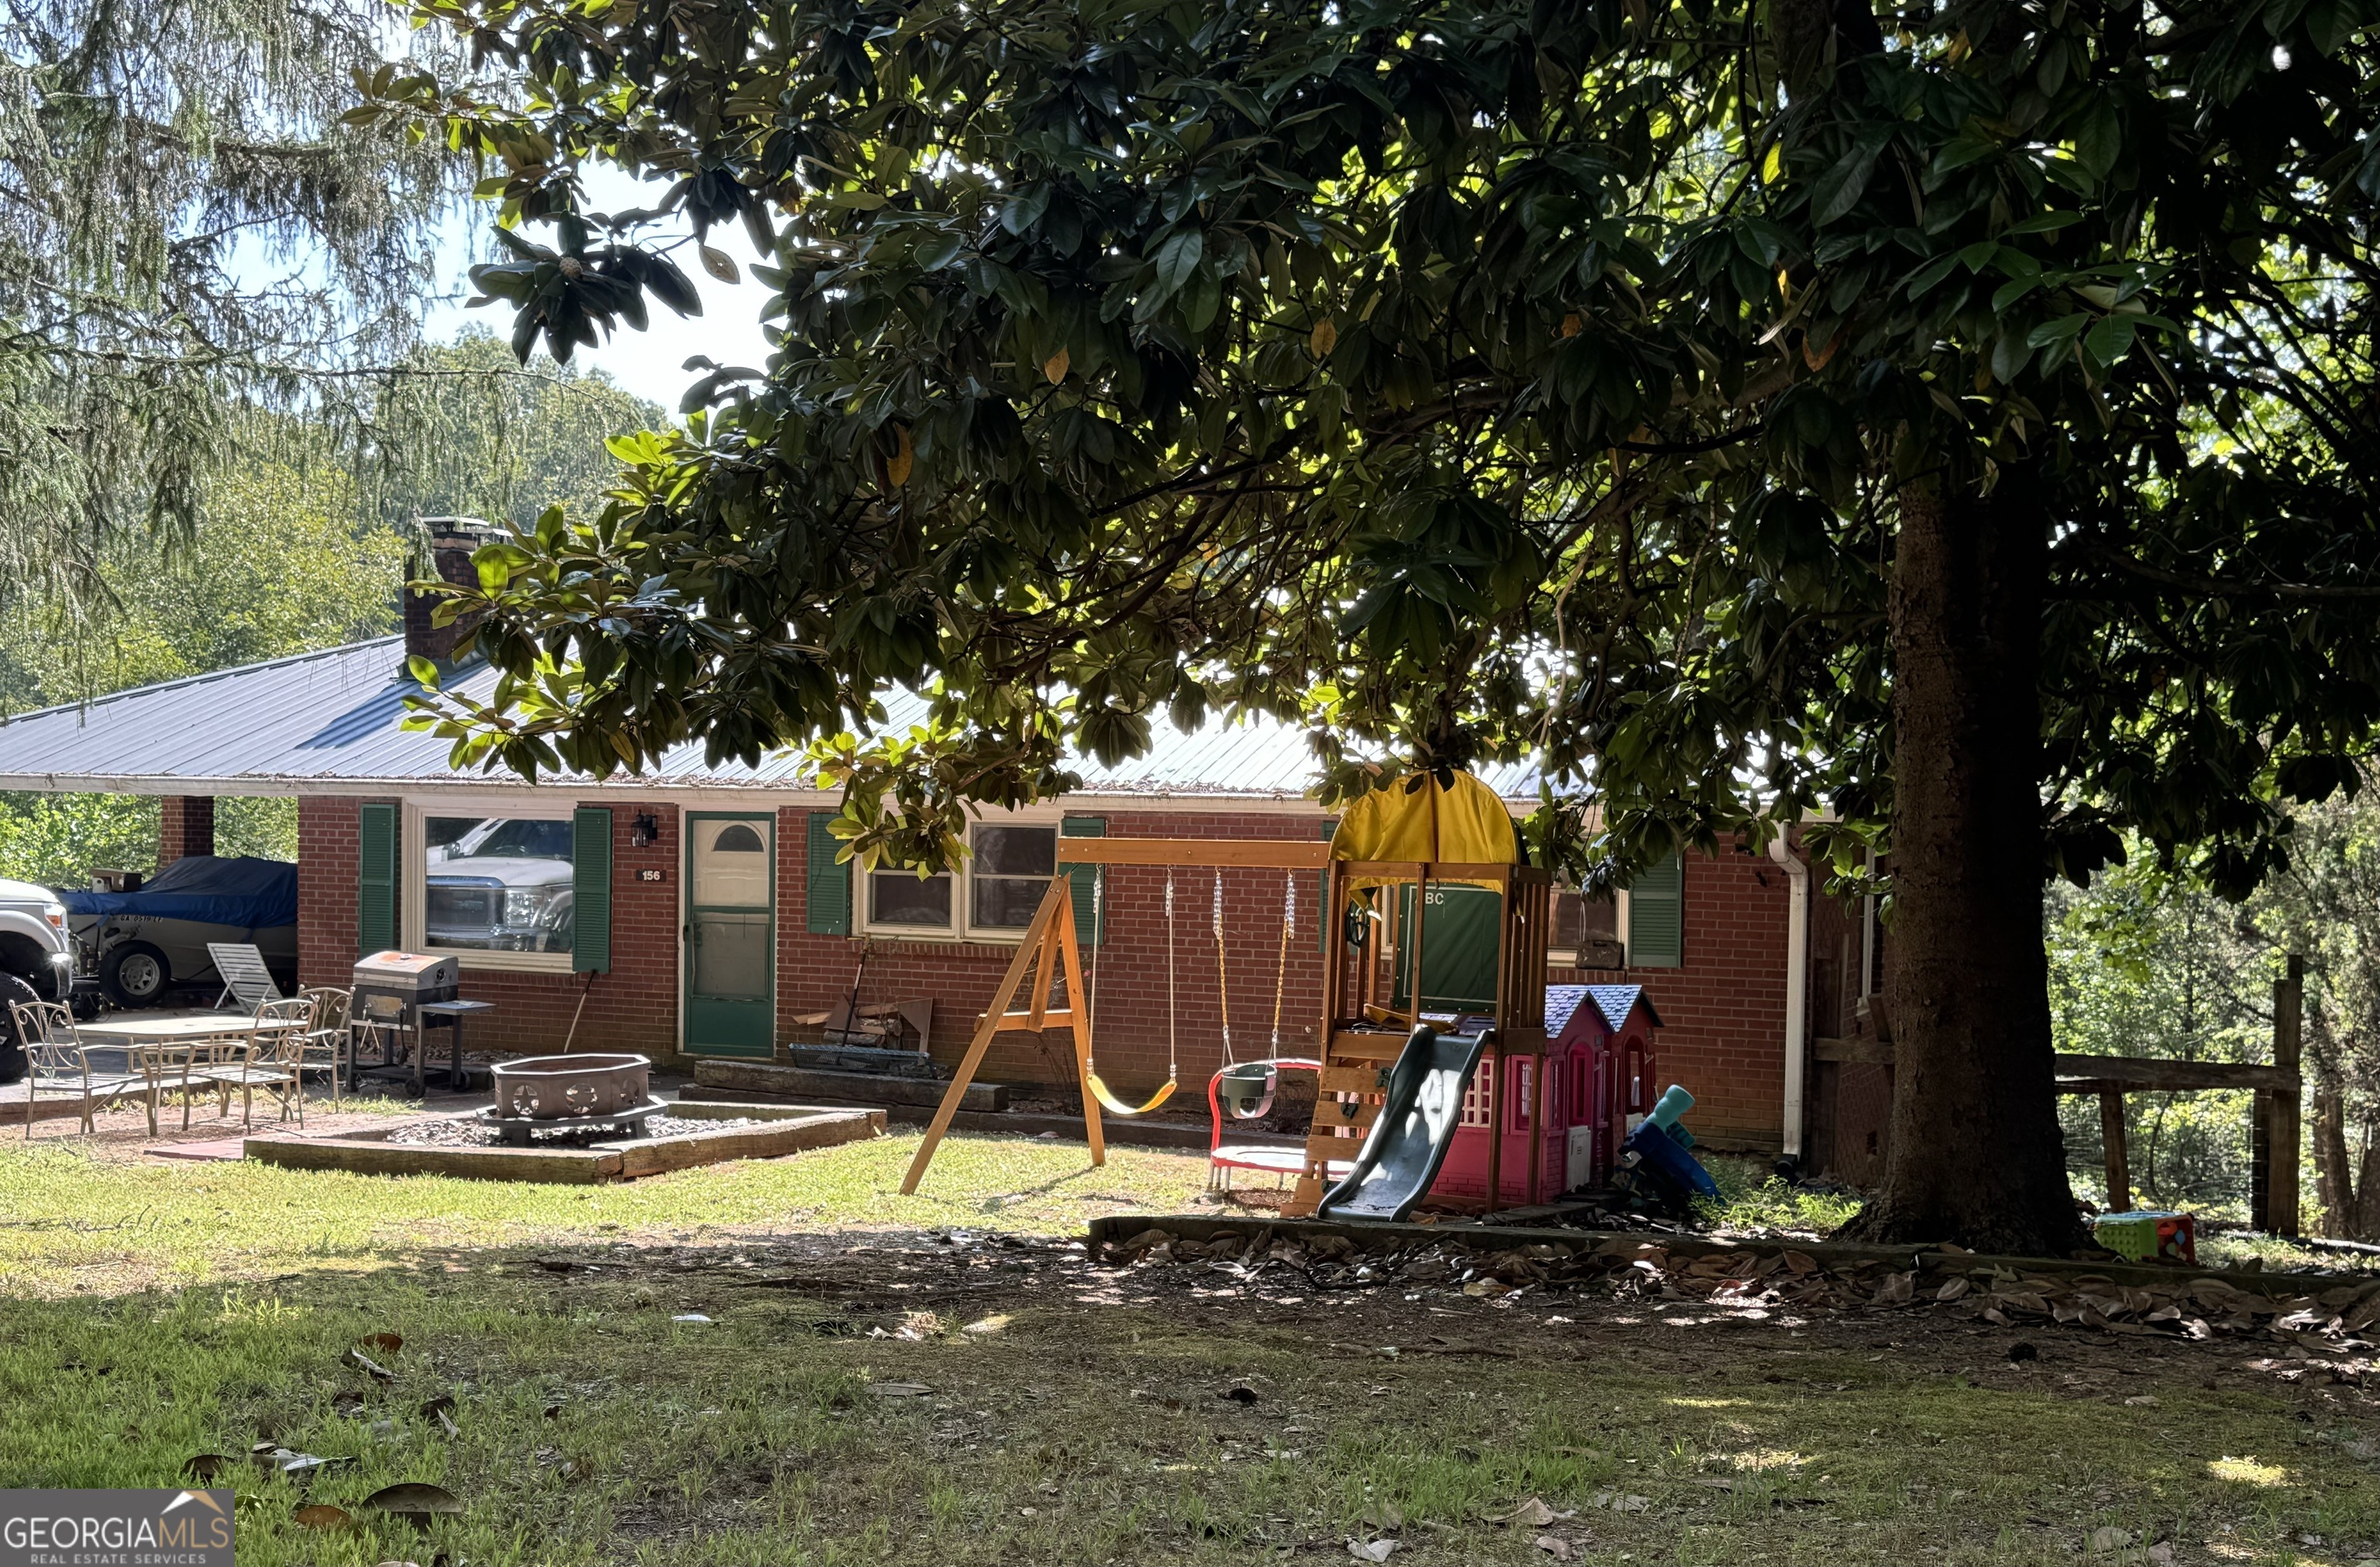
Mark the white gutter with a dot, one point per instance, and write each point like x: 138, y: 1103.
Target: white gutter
x: 1797, y: 985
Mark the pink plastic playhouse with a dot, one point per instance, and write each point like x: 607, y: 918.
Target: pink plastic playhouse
x: 1599, y: 1082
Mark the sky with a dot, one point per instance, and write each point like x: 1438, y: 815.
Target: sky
x: 647, y: 363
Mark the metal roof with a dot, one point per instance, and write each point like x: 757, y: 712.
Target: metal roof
x: 327, y: 723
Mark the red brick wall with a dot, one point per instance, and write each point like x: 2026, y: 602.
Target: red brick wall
x: 326, y: 891
x: 186, y: 826
x: 635, y: 1006
x: 814, y: 972
x: 1723, y: 1013
x: 1724, y: 1010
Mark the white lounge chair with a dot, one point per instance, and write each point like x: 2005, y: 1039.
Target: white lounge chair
x: 244, y: 974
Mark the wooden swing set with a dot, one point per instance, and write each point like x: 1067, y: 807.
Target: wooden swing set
x: 1365, y: 1018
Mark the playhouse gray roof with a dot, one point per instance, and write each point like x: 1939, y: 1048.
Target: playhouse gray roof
x: 327, y: 723
x: 1614, y: 1002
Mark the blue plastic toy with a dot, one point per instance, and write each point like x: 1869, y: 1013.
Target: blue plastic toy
x: 1661, y: 1142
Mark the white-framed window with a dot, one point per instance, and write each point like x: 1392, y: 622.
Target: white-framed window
x: 991, y: 897
x: 497, y: 886
x: 1589, y: 932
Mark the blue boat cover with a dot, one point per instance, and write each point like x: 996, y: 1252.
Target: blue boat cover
x: 250, y: 893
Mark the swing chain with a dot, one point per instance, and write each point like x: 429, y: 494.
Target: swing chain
x: 1222, y: 978
x: 1288, y: 928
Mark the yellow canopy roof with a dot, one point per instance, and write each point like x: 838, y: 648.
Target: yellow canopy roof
x: 1466, y: 823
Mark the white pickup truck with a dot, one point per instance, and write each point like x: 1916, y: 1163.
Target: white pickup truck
x: 36, y: 961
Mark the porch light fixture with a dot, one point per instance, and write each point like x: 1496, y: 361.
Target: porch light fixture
x: 646, y: 831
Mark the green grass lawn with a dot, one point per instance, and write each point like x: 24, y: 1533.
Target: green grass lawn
x: 71, y: 1221
x: 865, y: 1392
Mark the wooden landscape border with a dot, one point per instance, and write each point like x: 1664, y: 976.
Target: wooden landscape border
x: 1114, y: 1227
x: 796, y: 1129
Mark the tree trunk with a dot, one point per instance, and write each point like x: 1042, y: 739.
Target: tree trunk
x: 2334, y: 1169
x: 1976, y: 1157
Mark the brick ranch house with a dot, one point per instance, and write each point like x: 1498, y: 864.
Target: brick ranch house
x: 698, y: 910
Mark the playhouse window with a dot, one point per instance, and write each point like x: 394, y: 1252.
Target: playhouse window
x: 1480, y: 1095
x: 1524, y: 1082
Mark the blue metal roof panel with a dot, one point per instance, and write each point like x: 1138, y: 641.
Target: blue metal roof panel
x: 332, y: 717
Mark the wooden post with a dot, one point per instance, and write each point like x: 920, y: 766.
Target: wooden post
x: 2112, y: 1135
x: 2260, y: 1160
x: 1057, y: 902
x: 2285, y: 1105
x: 1537, y: 1075
x: 1078, y: 1004
x: 1496, y: 1128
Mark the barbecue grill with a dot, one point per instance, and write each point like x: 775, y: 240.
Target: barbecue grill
x: 390, y: 987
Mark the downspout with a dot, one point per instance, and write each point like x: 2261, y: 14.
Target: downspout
x: 1797, y: 988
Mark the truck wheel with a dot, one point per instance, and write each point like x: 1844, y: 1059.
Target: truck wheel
x: 135, y: 974
x: 12, y: 1048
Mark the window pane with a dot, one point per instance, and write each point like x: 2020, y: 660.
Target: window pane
x: 1007, y: 902
x: 1017, y: 851
x: 1581, y: 921
x: 498, y: 883
x: 897, y: 897
x: 731, y: 957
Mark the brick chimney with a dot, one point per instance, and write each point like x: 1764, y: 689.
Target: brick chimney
x: 452, y: 540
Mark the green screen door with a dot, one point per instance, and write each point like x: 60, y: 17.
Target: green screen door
x: 730, y: 934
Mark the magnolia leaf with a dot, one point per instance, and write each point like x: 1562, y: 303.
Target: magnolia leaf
x: 323, y: 1515
x: 896, y: 467
x: 2099, y: 139
x: 1839, y: 188
x: 1323, y: 338
x: 1056, y: 365
x: 718, y: 264
x: 1176, y: 259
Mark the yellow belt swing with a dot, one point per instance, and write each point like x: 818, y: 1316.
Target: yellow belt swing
x: 1105, y: 1095
x: 1100, y: 1090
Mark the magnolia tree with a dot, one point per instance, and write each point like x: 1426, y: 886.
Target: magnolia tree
x: 1952, y: 426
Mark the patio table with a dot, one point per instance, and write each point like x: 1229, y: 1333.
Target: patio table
x: 152, y: 1044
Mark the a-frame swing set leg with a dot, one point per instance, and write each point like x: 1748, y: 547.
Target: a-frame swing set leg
x: 1050, y: 942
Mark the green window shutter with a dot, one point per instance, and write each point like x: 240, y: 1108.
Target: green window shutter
x: 830, y: 884
x: 1083, y: 879
x: 1656, y: 915
x: 1322, y: 893
x: 591, y: 860
x: 375, y: 880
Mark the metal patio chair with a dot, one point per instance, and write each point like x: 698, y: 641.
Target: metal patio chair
x: 58, y: 1065
x: 269, y: 1060
x: 328, y: 1045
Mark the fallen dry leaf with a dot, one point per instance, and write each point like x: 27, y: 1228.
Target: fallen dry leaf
x: 387, y: 1344
x: 1375, y: 1550
x: 1553, y: 1546
x: 323, y: 1515
x: 1531, y: 1514
x: 369, y: 1366
x: 207, y: 1466
x: 899, y: 1390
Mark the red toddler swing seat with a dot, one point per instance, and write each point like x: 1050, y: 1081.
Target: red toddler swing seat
x: 1279, y: 1159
